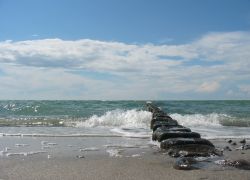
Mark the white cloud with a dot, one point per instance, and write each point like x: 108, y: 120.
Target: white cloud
x: 209, y: 87
x: 40, y: 68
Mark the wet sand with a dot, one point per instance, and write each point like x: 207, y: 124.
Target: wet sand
x: 105, y: 158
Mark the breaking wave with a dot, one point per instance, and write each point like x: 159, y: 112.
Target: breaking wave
x: 188, y: 120
x: 119, y: 118
x: 133, y: 118
x: 213, y: 119
x: 141, y: 119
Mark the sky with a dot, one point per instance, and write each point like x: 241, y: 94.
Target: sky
x: 125, y: 50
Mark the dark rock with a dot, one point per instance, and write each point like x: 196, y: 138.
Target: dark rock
x: 170, y: 143
x: 227, y: 148
x: 234, y: 143
x: 243, y: 141
x: 152, y: 108
x: 162, y: 121
x: 173, y: 153
x: 189, y: 147
x: 160, y: 114
x: 229, y: 141
x: 192, y: 150
x: 246, y: 147
x: 240, y: 164
x: 163, y: 129
x: 176, y: 134
x: 217, y: 152
x: 169, y: 123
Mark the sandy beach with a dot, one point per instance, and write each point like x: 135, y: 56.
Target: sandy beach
x: 106, y: 158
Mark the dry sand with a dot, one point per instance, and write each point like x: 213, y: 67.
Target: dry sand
x: 102, y: 158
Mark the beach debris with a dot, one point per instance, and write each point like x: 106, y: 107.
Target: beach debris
x: 49, y: 156
x: 240, y: 164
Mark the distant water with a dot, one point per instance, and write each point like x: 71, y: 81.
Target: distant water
x: 212, y: 119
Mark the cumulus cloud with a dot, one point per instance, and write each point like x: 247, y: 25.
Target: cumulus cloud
x: 92, y: 69
x: 88, y: 54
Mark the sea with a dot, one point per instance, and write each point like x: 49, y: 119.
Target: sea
x: 212, y: 119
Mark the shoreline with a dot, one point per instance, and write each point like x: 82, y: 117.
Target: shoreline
x: 106, y: 158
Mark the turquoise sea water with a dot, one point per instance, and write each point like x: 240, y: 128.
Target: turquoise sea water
x: 210, y: 118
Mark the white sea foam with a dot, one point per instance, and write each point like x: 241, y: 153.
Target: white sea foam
x: 62, y: 135
x: 25, y: 153
x: 114, y: 152
x: 133, y: 133
x: 5, y: 151
x: 44, y: 142
x: 141, y: 119
x: 90, y: 149
x: 119, y: 118
x: 188, y: 120
x: 136, y: 155
x: 21, y: 145
x: 51, y: 144
x: 121, y: 146
x: 46, y: 147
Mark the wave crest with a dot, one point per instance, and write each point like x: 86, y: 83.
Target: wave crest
x: 212, y: 119
x: 119, y: 118
x: 141, y: 119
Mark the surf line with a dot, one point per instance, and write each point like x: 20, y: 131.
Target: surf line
x: 73, y: 135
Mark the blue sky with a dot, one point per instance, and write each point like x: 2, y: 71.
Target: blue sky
x: 133, y: 49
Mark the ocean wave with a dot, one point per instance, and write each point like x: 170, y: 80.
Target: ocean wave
x: 119, y: 118
x: 133, y: 118
x: 141, y: 119
x: 188, y: 120
x: 213, y: 119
